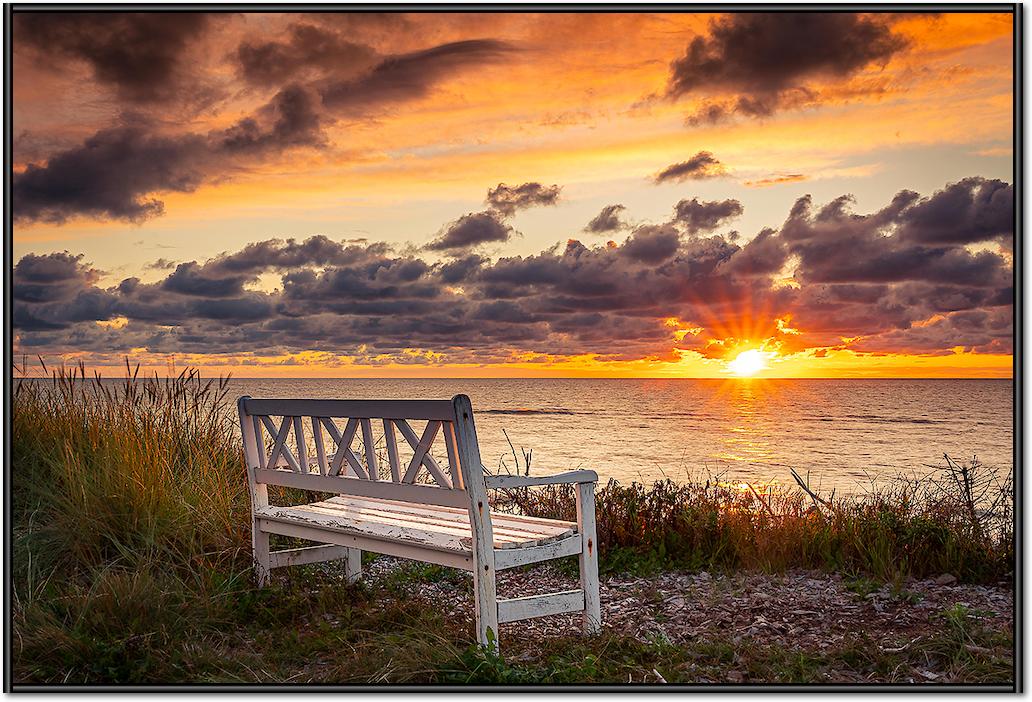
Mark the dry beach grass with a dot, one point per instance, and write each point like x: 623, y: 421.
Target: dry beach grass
x: 132, y: 564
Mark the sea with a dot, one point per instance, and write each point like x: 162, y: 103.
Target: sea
x: 846, y: 435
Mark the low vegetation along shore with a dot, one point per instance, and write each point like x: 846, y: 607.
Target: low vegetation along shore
x: 132, y: 565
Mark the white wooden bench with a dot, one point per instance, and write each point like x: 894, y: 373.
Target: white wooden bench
x: 414, y: 506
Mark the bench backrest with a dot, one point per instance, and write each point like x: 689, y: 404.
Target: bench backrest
x: 308, y: 444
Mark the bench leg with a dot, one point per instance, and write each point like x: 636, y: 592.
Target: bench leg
x: 486, y: 600
x: 592, y: 621
x: 262, y: 561
x: 353, y: 564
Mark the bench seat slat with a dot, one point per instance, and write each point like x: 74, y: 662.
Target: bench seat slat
x: 446, y: 521
x: 418, y: 508
x: 448, y: 529
x: 499, y: 520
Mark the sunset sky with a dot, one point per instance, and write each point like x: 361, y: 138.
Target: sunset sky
x: 515, y: 194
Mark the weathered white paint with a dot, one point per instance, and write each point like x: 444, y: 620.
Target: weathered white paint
x: 452, y: 446
x: 320, y: 447
x: 429, y: 494
x: 308, y: 554
x: 392, y: 450
x: 371, y: 409
x: 424, y: 457
x: 372, y: 465
x: 353, y: 564
x: 592, y: 620
x: 514, y: 481
x: 419, y: 450
x: 368, y: 543
x: 512, y: 557
x: 259, y: 493
x: 344, y: 452
x: 302, y: 448
x: 433, y: 519
x: 484, y: 585
x: 540, y: 605
x: 332, y: 520
x: 279, y: 446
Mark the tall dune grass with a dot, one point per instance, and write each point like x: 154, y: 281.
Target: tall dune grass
x: 124, y: 476
x: 905, y: 528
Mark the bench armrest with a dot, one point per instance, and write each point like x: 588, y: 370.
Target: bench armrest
x: 514, y: 481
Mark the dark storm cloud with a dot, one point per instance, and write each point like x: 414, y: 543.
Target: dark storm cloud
x: 115, y: 173
x: 318, y: 250
x: 859, y: 281
x: 968, y: 212
x: 700, y: 166
x: 52, y: 277
x: 291, y: 119
x: 190, y: 279
x: 836, y: 245
x: 608, y: 220
x: 697, y: 216
x: 472, y: 230
x: 306, y: 48
x: 410, y: 76
x: 139, y: 55
x: 507, y: 199
x: 110, y: 176
x: 652, y: 243
x: 764, y: 255
x: 461, y: 269
x: 765, y: 60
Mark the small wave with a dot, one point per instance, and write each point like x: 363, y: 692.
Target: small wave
x: 525, y: 411
x: 892, y: 420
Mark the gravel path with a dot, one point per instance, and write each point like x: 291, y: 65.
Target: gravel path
x: 800, y: 610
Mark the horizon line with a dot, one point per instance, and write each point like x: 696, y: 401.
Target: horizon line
x: 616, y: 377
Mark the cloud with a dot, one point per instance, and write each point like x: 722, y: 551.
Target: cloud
x: 116, y: 172
x: 870, y: 282
x: 968, y: 212
x: 700, y: 166
x: 894, y: 244
x: 472, y: 230
x: 507, y: 199
x: 608, y: 220
x: 410, y: 76
x: 51, y: 277
x: 110, y: 176
x: 190, y: 279
x: 307, y: 48
x: 696, y: 216
x: 777, y: 179
x: 291, y: 120
x: 119, y: 172
x: 768, y: 61
x: 277, y: 254
x: 138, y: 55
x: 652, y: 243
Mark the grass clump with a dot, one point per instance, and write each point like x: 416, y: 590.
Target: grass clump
x: 616, y: 658
x: 907, y: 529
x: 127, y: 477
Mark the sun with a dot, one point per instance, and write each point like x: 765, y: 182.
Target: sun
x: 749, y: 362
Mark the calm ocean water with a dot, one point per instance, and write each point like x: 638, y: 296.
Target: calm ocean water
x: 844, y: 432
